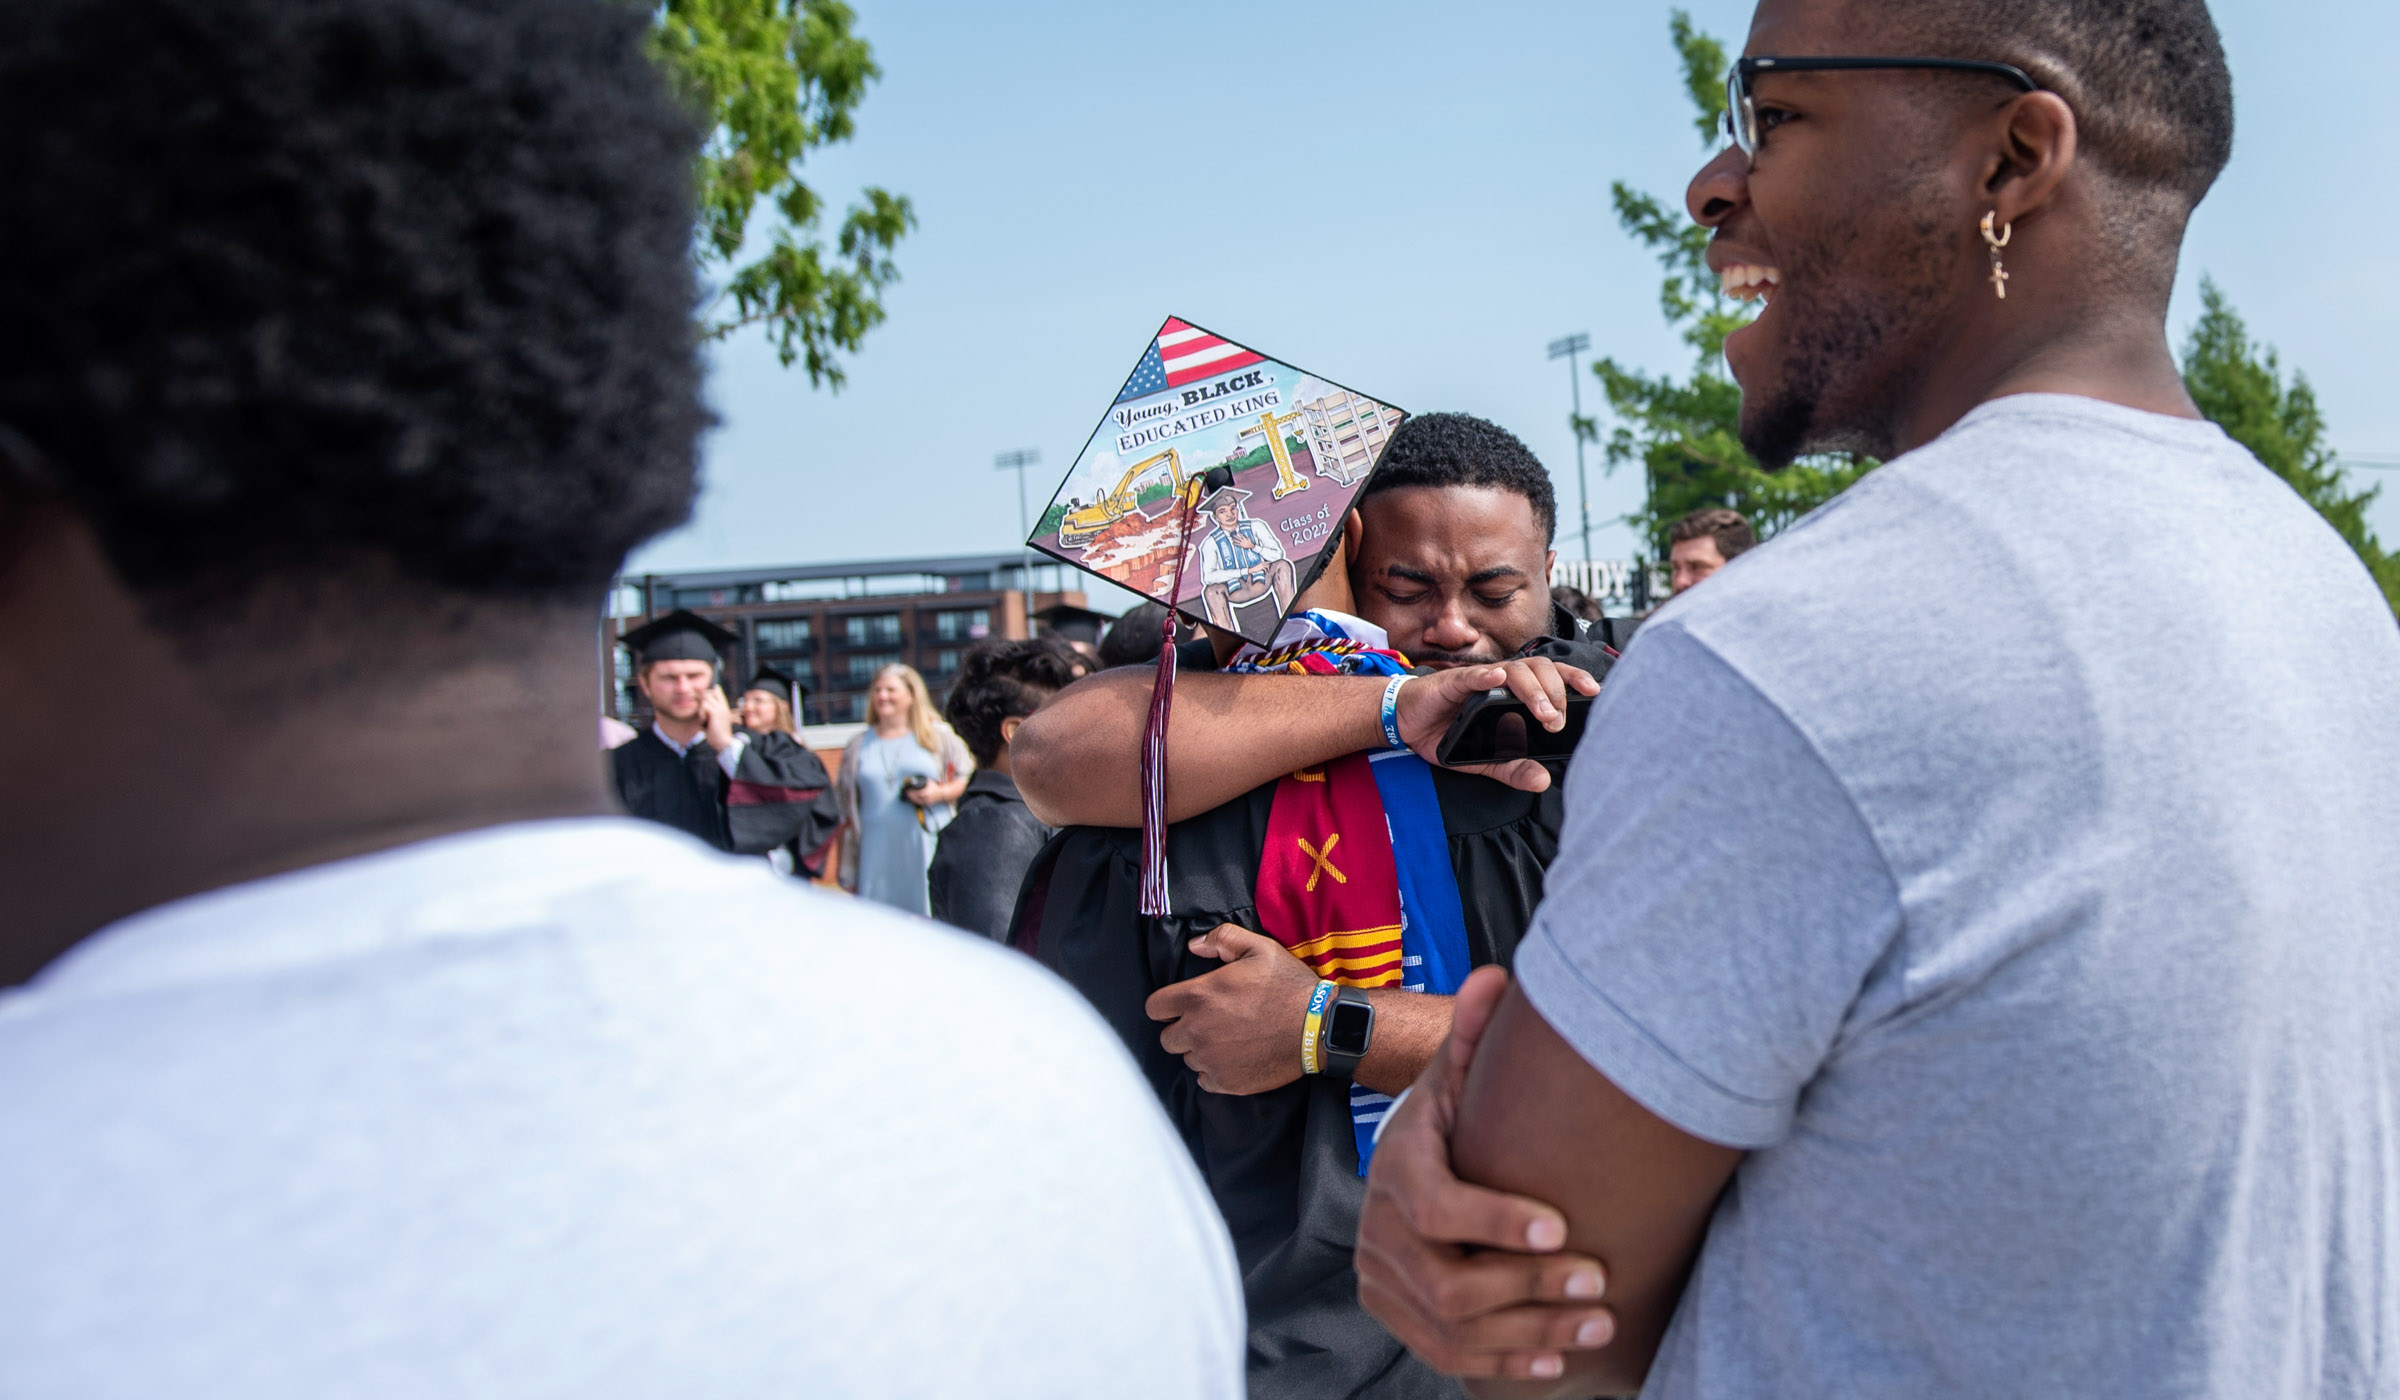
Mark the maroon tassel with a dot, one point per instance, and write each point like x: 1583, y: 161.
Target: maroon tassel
x: 1154, y: 734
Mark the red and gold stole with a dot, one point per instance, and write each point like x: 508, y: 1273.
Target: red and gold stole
x: 1327, y: 886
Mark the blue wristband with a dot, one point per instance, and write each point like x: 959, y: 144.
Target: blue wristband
x: 1391, y: 712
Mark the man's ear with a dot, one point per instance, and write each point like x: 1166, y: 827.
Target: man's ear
x: 2034, y: 147
x: 641, y: 680
x: 1008, y: 729
x: 1549, y: 568
x: 1354, y: 532
x: 1331, y: 589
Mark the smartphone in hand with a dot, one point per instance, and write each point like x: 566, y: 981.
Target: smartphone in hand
x: 1495, y: 727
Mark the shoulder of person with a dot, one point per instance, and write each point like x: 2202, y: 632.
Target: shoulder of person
x: 1474, y: 805
x: 1588, y: 652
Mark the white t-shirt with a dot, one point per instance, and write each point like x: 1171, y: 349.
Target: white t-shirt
x: 2009, y: 856
x: 582, y: 1108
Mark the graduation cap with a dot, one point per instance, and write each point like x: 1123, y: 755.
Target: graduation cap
x: 1073, y: 623
x: 1205, y: 419
x: 679, y: 636
x: 779, y: 685
x: 1200, y: 421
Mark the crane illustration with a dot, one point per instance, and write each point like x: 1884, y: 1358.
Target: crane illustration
x: 1270, y: 427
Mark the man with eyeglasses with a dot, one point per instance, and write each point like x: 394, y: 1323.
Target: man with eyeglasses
x: 2028, y: 1029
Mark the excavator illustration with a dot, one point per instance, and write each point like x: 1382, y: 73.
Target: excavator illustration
x: 1083, y: 524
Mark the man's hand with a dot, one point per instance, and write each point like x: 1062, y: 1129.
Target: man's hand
x: 716, y: 719
x: 1239, y: 1026
x: 1428, y: 704
x: 1475, y: 1282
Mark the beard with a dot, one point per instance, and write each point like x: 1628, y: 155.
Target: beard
x: 1859, y: 313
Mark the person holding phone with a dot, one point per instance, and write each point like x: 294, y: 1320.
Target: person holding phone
x: 693, y: 769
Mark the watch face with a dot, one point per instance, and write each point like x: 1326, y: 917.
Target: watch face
x: 1348, y: 1032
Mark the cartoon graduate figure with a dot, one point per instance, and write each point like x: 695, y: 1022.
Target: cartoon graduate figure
x: 1241, y: 562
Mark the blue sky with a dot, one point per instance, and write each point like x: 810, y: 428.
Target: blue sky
x: 1408, y: 197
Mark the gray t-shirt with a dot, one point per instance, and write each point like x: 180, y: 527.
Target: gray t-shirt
x: 2009, y: 857
x: 583, y: 1108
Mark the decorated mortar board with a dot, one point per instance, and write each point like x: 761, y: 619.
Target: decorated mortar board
x: 1200, y: 419
x: 1072, y: 623
x: 679, y: 636
x: 1206, y: 419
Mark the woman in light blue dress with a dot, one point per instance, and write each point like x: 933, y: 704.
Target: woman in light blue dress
x: 899, y: 781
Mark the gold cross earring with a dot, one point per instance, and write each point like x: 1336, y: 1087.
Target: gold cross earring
x: 1997, y: 242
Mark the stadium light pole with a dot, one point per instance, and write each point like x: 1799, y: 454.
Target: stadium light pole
x: 1567, y: 348
x: 1020, y: 459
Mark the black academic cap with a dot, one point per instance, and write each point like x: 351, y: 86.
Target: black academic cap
x: 679, y: 636
x: 1073, y: 623
x: 777, y: 684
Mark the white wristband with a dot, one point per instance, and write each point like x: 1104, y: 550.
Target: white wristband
x: 1391, y: 712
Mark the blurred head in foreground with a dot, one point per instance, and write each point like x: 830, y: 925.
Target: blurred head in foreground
x: 345, y: 350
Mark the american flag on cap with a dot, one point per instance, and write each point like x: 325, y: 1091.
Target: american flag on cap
x: 1180, y: 354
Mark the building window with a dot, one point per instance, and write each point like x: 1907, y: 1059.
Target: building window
x: 943, y: 664
x: 731, y: 595
x: 871, y: 630
x: 784, y: 634
x: 962, y: 624
x: 860, y: 667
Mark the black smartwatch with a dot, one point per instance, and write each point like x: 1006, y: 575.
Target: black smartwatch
x: 1349, y: 1030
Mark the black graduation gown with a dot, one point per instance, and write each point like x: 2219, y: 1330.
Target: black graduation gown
x: 1282, y: 1165
x: 773, y: 797
x: 780, y: 796
x: 983, y: 855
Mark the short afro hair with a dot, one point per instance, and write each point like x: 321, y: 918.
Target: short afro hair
x: 1457, y: 449
x: 348, y: 288
x: 2146, y: 79
x: 999, y: 680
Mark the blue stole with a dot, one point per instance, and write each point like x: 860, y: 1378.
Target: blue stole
x: 1433, y: 924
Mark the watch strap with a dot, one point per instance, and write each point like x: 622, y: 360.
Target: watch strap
x: 1337, y: 1063
x: 1312, y: 1029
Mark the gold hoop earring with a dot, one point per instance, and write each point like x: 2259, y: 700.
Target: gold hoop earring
x: 1997, y: 242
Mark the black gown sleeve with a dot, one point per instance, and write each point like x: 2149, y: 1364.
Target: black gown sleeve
x: 685, y: 792
x: 771, y: 798
x: 1282, y: 1165
x: 980, y: 862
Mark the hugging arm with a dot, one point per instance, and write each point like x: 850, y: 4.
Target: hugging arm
x: 1536, y: 1120
x: 1078, y: 761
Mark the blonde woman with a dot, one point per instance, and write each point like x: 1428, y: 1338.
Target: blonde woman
x: 899, y: 778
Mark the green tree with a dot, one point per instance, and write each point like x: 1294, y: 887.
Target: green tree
x: 1682, y: 430
x: 774, y: 80
x: 2239, y: 384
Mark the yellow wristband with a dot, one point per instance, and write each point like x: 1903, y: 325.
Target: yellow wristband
x: 1314, y: 1026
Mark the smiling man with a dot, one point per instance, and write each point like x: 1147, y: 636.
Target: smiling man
x: 2028, y: 1030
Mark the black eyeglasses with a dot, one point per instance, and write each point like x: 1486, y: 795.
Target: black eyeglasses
x: 1741, y: 118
